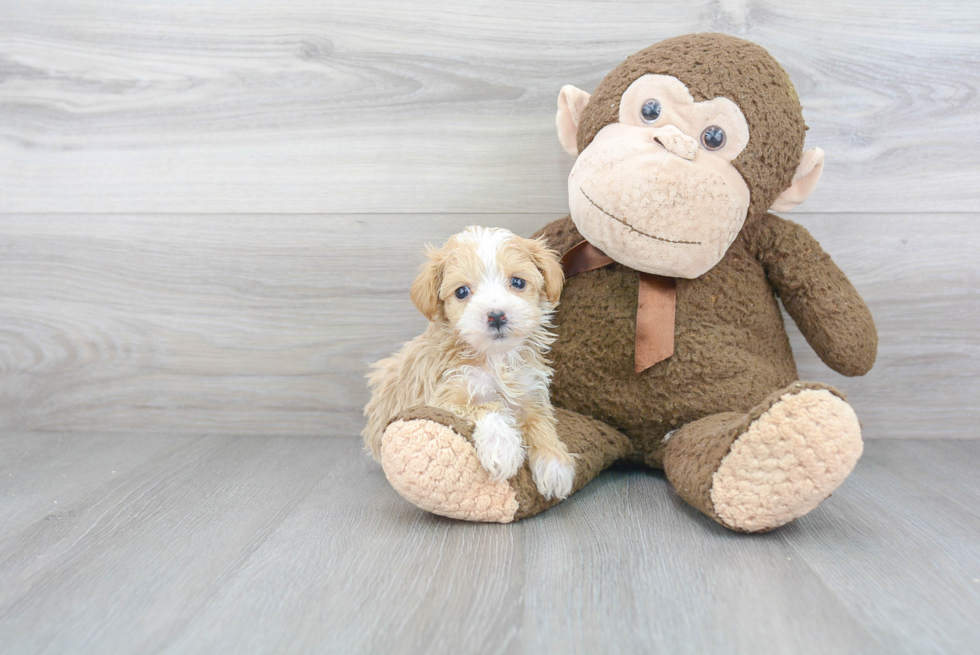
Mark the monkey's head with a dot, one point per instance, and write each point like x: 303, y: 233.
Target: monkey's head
x: 679, y: 146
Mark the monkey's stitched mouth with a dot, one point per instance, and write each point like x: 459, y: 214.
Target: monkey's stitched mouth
x: 630, y: 227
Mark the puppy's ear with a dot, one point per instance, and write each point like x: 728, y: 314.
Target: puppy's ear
x: 425, y: 289
x: 547, y: 262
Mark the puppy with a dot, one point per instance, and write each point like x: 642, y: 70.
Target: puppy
x: 489, y: 296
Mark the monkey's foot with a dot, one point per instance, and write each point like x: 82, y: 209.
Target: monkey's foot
x: 429, y: 458
x: 432, y: 465
x: 760, y: 471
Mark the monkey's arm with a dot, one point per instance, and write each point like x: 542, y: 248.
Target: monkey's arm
x: 825, y: 305
x: 560, y: 234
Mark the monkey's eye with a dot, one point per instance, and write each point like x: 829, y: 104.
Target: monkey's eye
x: 650, y: 111
x: 462, y: 292
x: 713, y: 138
x: 518, y: 283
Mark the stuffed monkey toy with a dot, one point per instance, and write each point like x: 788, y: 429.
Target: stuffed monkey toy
x: 671, y: 350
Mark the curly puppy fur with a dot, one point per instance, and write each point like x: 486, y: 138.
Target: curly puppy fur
x: 489, y: 296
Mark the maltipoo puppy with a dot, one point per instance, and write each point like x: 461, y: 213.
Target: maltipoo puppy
x: 489, y: 296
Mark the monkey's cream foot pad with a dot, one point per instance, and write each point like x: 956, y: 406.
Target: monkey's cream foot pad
x: 788, y: 461
x: 438, y: 470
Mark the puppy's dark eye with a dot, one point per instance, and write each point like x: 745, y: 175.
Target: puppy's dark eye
x: 462, y: 292
x: 651, y: 110
x: 517, y: 283
x: 713, y: 138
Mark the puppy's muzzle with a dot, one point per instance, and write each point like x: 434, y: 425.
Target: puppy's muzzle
x: 496, y: 319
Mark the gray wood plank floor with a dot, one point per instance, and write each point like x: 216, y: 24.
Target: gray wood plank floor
x: 138, y: 543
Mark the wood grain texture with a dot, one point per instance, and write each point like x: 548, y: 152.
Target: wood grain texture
x: 904, y: 516
x: 298, y: 545
x: 266, y: 324
x: 376, y: 106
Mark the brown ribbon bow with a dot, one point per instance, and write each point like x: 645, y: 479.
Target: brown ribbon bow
x: 655, y: 307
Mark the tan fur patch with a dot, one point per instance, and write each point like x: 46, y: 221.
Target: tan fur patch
x: 437, y: 470
x: 514, y: 260
x: 432, y: 368
x: 791, y: 458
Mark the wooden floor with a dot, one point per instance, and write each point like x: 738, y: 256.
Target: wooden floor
x: 146, y: 544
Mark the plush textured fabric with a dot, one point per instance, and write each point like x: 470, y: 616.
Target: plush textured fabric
x: 731, y: 347
x: 731, y: 353
x: 740, y: 438
x: 716, y: 65
x: 428, y: 457
x: 823, y: 303
x: 694, y: 454
x: 595, y: 447
x: 433, y: 467
x: 789, y: 459
x: 692, y: 212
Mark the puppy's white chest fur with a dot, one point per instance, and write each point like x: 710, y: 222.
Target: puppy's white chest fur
x: 483, y: 386
x: 511, y: 386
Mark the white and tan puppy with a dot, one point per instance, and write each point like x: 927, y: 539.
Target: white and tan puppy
x: 489, y: 296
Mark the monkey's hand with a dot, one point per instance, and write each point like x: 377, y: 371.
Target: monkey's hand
x: 825, y: 305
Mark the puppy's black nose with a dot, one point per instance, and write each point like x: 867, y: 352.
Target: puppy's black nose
x: 496, y: 319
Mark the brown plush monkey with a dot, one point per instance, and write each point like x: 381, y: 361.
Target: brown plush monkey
x: 671, y: 349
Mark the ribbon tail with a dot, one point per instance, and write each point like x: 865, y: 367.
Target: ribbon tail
x: 655, y: 315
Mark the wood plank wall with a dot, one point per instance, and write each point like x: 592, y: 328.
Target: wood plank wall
x: 210, y: 212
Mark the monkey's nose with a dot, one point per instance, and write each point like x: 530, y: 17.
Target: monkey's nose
x: 676, y: 142
x: 496, y: 319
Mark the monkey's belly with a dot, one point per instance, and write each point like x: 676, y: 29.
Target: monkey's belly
x: 730, y: 351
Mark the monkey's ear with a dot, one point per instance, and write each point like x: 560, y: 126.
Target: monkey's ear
x: 804, y: 181
x: 571, y: 102
x: 425, y: 289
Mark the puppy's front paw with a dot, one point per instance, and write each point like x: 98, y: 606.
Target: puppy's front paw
x: 498, y: 445
x: 553, y: 473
